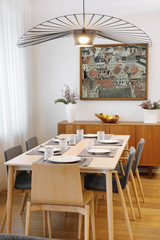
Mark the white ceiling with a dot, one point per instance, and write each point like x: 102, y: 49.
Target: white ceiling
x: 47, y: 9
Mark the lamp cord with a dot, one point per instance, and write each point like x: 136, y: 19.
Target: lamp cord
x: 83, y: 14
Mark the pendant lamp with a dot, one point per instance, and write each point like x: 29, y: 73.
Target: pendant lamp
x: 84, y: 27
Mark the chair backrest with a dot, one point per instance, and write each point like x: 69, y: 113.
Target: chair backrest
x: 31, y: 142
x: 56, y: 184
x: 12, y: 152
x: 124, y: 179
x: 139, y: 150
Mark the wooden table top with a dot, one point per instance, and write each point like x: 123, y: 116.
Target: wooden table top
x: 25, y: 161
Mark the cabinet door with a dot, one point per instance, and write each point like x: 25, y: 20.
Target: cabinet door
x: 94, y: 128
x: 151, y: 152
x: 65, y: 129
x: 124, y: 130
x: 78, y: 126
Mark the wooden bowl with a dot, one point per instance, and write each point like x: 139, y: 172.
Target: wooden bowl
x: 106, y: 120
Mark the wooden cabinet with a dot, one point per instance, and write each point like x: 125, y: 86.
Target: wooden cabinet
x: 124, y: 130
x: 137, y: 130
x: 151, y: 153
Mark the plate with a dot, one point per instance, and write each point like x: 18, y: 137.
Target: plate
x: 90, y: 135
x: 57, y: 140
x: 109, y: 141
x: 99, y: 150
x: 42, y: 149
x: 64, y: 159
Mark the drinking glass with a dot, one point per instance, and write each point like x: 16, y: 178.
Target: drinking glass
x: 80, y: 133
x: 72, y: 139
x: 89, y: 144
x: 48, y: 152
x: 63, y: 144
x: 100, y: 135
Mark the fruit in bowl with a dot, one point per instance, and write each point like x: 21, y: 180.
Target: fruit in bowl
x: 107, y: 118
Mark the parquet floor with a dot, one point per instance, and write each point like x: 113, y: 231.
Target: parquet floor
x: 65, y: 227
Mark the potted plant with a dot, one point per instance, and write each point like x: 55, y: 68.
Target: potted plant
x: 69, y: 98
x: 150, y: 111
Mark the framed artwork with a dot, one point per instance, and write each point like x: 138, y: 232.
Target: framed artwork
x: 114, y: 72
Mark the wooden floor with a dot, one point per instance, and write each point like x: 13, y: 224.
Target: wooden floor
x: 65, y: 227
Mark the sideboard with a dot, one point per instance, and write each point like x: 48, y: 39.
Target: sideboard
x: 136, y: 130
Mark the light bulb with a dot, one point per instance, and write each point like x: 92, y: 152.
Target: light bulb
x: 83, y: 39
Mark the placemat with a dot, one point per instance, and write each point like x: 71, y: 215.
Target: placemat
x: 83, y: 162
x: 51, y: 142
x: 106, y: 136
x: 85, y: 153
x: 120, y: 143
x: 37, y: 152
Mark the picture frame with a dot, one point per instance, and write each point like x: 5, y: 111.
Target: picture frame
x: 114, y: 72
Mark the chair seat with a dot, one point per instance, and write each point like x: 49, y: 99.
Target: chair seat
x: 23, y: 180
x: 118, y: 168
x: 98, y: 182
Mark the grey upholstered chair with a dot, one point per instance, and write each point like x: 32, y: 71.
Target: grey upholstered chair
x: 19, y: 237
x: 22, y: 180
x: 135, y: 171
x: 31, y: 142
x: 97, y: 182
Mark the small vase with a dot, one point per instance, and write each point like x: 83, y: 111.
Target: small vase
x: 71, y: 112
x: 150, y: 116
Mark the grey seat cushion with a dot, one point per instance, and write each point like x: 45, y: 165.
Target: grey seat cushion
x: 97, y: 182
x: 23, y: 180
x: 19, y: 237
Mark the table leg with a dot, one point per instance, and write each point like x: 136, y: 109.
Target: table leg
x: 9, y: 198
x: 109, y: 204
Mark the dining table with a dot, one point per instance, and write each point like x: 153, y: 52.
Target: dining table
x: 99, y: 164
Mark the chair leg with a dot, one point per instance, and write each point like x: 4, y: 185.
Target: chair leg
x: 25, y: 195
x: 86, y: 223
x: 130, y: 202
x: 122, y: 169
x: 44, y: 223
x: 95, y: 203
x: 49, y: 224
x: 124, y: 206
x: 140, y: 184
x: 135, y: 193
x: 28, y: 218
x: 79, y: 225
x: 3, y: 219
x: 92, y: 219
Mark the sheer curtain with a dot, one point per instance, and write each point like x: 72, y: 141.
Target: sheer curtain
x: 16, y: 83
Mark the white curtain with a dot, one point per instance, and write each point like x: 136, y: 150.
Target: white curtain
x: 16, y: 83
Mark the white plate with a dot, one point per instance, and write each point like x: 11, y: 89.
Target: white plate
x: 109, y: 141
x: 64, y: 159
x: 42, y: 149
x: 90, y: 135
x: 99, y: 150
x: 57, y: 140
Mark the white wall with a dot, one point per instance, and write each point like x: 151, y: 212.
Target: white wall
x: 58, y: 62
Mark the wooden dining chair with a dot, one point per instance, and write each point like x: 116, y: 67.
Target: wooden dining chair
x: 97, y: 183
x: 31, y: 142
x: 22, y: 180
x: 57, y: 187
